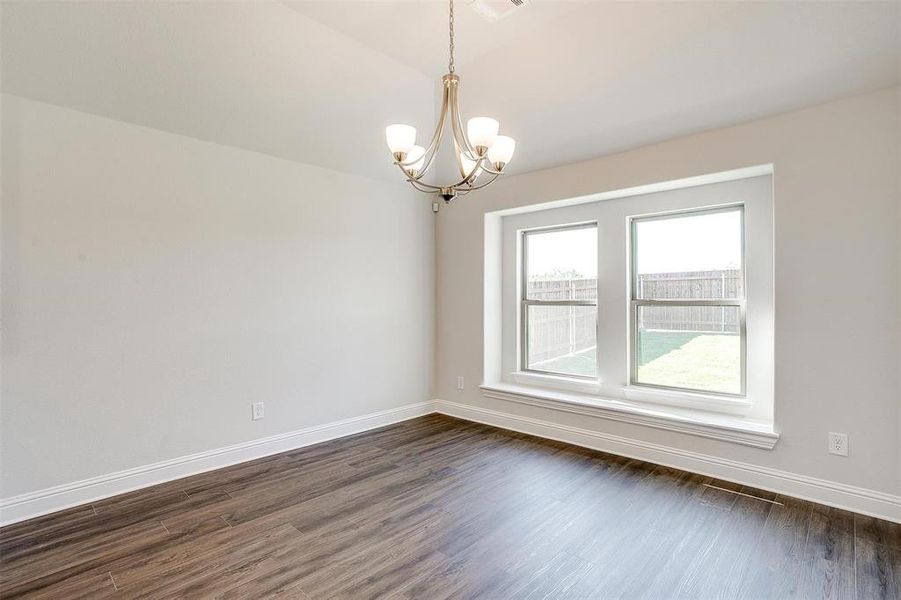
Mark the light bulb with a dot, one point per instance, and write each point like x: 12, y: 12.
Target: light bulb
x: 468, y: 165
x: 416, y: 153
x: 481, y: 132
x: 400, y: 139
x: 501, y: 151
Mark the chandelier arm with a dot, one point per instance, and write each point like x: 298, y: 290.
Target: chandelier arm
x: 461, y: 183
x: 420, y: 172
x: 478, y: 165
x: 467, y: 180
x: 432, y: 148
x: 419, y: 185
x: 481, y: 185
x: 403, y: 170
x: 470, y: 150
x: 432, y: 152
x: 467, y: 177
x: 454, y: 186
x: 423, y: 187
x: 424, y: 169
x: 488, y: 169
x: 457, y: 158
x: 431, y: 188
x: 457, y: 125
x: 409, y: 177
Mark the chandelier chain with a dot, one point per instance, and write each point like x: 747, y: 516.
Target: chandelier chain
x: 450, y: 64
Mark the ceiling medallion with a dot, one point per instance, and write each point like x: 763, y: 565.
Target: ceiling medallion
x: 479, y: 150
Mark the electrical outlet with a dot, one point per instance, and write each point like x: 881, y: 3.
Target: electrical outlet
x: 838, y: 443
x: 257, y: 411
x: 460, y: 382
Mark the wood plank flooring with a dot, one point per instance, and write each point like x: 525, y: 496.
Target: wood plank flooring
x: 440, y: 508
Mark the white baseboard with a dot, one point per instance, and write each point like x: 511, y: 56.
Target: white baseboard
x: 847, y: 497
x: 33, y: 504
x: 864, y: 501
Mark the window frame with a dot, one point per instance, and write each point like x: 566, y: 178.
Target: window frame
x: 525, y: 303
x: 635, y: 303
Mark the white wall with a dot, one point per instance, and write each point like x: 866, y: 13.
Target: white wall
x: 154, y: 285
x: 836, y: 277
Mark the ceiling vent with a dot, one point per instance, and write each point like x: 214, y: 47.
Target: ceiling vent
x: 495, y: 10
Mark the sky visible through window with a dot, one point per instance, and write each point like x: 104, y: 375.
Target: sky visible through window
x: 700, y: 242
x: 570, y: 251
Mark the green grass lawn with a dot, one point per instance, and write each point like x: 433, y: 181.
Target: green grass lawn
x: 686, y: 359
x: 705, y: 361
x: 580, y: 363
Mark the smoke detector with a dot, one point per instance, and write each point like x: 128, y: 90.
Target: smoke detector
x: 495, y: 10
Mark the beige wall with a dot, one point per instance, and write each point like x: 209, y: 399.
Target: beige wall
x: 836, y: 269
x: 148, y: 301
x: 153, y: 286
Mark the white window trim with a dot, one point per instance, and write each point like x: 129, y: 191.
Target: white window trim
x: 714, y: 426
x: 743, y: 420
x: 670, y: 397
x: 581, y: 385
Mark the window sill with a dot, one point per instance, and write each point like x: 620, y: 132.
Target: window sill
x: 688, y: 400
x: 569, y: 384
x: 721, y: 427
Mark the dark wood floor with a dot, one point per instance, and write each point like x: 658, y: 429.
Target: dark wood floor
x: 439, y: 508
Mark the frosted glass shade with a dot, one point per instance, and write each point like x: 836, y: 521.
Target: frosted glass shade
x: 468, y: 166
x: 416, y: 153
x: 400, y: 138
x: 482, y: 131
x: 502, y: 150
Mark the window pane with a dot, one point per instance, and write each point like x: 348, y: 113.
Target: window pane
x: 562, y: 264
x: 689, y: 257
x: 562, y: 339
x: 693, y: 347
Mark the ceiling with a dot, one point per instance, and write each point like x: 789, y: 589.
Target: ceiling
x: 258, y: 76
x: 424, y: 23
x: 317, y: 81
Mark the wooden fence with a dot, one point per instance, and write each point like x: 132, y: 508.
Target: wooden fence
x: 690, y: 285
x: 557, y: 331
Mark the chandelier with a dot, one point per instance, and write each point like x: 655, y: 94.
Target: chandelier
x: 479, y: 150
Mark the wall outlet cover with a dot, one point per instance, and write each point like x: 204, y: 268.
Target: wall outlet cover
x: 838, y: 443
x: 256, y: 411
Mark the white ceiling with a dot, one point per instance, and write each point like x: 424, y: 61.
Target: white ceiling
x: 415, y: 32
x: 317, y: 81
x: 254, y: 75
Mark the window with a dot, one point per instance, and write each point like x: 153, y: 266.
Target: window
x: 658, y: 299
x: 559, y: 301
x: 688, y: 301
